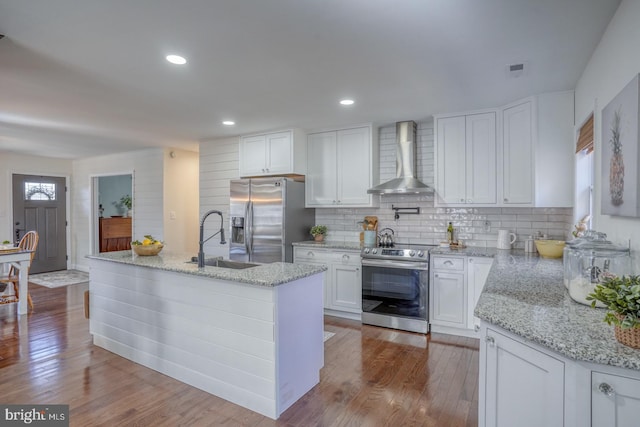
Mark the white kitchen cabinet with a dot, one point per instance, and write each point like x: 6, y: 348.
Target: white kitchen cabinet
x: 519, y: 385
x: 477, y: 273
x: 279, y: 153
x: 343, y: 279
x: 341, y: 166
x: 447, y: 293
x: 346, y: 286
x: 517, y: 154
x: 555, y: 150
x: 615, y: 400
x: 530, y: 163
x: 466, y: 159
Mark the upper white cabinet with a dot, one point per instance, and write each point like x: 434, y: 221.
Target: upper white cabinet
x: 555, y: 150
x: 341, y: 167
x: 279, y: 153
x: 517, y: 154
x: 466, y: 158
x: 529, y: 164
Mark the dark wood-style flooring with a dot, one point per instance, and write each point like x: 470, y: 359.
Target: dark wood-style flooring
x: 372, y: 376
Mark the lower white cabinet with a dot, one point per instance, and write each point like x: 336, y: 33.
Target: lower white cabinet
x: 615, y: 400
x: 525, y: 384
x: 477, y: 272
x: 448, y: 297
x: 520, y: 386
x: 455, y: 285
x: 343, y: 279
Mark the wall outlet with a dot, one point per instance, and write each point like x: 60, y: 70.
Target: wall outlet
x: 172, y: 214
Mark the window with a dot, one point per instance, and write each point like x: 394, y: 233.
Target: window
x: 39, y: 191
x: 585, y: 171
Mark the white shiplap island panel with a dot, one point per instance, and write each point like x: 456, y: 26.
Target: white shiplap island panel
x: 260, y: 347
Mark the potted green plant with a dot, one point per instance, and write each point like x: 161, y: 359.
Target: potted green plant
x: 125, y: 201
x: 318, y: 232
x: 621, y: 296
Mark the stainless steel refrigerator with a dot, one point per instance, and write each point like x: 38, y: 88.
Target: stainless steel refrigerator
x: 267, y: 215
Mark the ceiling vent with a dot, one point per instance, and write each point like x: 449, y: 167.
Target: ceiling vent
x: 517, y: 70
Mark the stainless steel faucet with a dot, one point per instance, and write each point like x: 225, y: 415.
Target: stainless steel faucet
x: 202, y: 239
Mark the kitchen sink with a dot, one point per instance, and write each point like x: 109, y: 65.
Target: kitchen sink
x: 225, y: 263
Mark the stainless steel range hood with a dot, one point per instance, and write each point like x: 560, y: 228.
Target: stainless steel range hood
x: 406, y: 164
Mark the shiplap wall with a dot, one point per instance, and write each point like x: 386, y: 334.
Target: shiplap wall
x: 218, y: 166
x: 147, y: 169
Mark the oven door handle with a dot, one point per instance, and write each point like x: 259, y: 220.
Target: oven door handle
x: 395, y: 264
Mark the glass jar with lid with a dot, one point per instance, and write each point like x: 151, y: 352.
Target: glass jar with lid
x: 589, y: 260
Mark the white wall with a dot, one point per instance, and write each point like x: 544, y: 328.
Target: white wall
x: 147, y: 169
x: 11, y: 163
x: 218, y: 165
x: 615, y: 62
x: 181, y: 199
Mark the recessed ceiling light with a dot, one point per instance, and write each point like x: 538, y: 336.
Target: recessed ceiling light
x: 228, y: 123
x: 176, y: 59
x: 347, y: 102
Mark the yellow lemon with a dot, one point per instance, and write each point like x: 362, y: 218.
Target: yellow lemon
x: 147, y: 242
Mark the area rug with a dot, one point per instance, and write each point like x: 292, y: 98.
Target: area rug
x: 328, y: 335
x: 57, y: 279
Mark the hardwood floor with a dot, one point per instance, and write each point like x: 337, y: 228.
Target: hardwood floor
x: 372, y: 376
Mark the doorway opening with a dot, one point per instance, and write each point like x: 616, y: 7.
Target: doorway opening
x: 40, y: 204
x: 112, y: 216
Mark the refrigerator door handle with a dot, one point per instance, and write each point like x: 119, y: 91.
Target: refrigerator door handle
x: 248, y: 238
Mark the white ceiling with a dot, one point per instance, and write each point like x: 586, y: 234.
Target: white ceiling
x: 88, y: 77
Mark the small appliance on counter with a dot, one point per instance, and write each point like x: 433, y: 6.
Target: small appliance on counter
x: 588, y: 260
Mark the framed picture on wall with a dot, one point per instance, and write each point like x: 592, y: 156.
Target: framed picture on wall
x: 620, y: 194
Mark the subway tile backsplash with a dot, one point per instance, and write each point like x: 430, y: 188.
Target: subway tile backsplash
x: 430, y: 225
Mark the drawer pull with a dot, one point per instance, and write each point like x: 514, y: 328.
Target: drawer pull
x: 345, y: 257
x: 606, y: 389
x: 447, y: 262
x: 490, y: 341
x: 310, y: 254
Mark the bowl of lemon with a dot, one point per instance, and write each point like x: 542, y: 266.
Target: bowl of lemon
x: 147, y: 247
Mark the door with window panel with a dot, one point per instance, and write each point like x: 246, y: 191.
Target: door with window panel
x: 39, y: 203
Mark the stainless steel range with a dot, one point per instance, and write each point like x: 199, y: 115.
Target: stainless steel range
x: 395, y: 287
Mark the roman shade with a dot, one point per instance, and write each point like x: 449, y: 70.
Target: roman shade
x: 585, y: 137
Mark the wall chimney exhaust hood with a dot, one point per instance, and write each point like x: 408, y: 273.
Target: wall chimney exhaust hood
x: 406, y: 165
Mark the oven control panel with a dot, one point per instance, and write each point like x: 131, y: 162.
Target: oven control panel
x: 394, y: 253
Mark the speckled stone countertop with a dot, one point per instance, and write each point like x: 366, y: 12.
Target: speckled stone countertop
x: 525, y: 295
x: 329, y: 244
x: 273, y: 274
x: 468, y: 251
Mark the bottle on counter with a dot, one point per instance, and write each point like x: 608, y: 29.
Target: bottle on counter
x: 450, y: 233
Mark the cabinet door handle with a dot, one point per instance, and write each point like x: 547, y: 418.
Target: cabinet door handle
x: 461, y: 200
x: 606, y: 389
x: 469, y: 201
x: 345, y: 257
x: 476, y: 328
x: 470, y: 259
x: 436, y: 275
x: 490, y: 341
x: 310, y: 254
x: 506, y: 200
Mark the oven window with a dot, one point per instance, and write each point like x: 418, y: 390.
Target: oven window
x: 394, y: 291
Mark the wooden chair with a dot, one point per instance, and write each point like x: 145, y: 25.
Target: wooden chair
x: 29, y: 242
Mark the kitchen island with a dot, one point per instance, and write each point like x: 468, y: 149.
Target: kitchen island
x: 253, y: 336
x: 545, y: 359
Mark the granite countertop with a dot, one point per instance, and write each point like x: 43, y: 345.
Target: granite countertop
x: 468, y: 251
x: 525, y: 294
x: 273, y: 274
x: 329, y: 244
